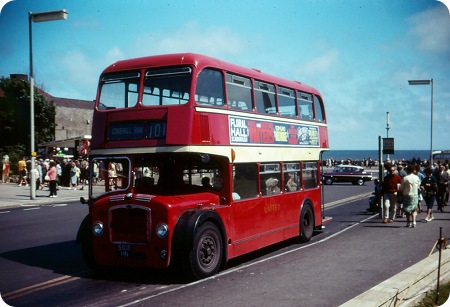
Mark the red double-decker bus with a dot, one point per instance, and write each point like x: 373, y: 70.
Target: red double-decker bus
x: 197, y: 161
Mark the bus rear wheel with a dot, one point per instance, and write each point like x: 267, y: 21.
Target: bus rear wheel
x: 207, y: 251
x: 306, y: 223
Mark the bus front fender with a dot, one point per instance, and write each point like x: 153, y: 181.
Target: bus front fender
x: 188, y: 224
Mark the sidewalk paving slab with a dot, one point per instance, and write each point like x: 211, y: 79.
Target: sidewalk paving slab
x: 12, y: 196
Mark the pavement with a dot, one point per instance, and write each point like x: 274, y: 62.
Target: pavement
x: 12, y: 196
x: 406, y: 288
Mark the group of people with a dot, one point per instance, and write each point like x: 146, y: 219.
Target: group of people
x: 71, y: 173
x: 402, y: 192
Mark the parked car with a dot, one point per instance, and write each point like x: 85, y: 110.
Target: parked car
x: 347, y: 173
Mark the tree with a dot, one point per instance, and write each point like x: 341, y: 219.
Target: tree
x: 15, y: 118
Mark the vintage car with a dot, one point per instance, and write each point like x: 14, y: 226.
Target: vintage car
x: 347, y: 173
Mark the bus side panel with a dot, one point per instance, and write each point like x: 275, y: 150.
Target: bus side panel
x: 98, y: 130
x: 323, y: 131
x: 246, y: 217
x: 213, y: 129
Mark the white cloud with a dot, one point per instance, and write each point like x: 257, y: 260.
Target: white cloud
x: 322, y: 63
x: 217, y: 41
x: 431, y: 30
x: 113, y: 55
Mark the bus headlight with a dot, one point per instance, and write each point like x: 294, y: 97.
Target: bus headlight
x: 162, y: 230
x: 97, y: 228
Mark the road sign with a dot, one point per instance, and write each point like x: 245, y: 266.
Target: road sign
x: 388, y: 146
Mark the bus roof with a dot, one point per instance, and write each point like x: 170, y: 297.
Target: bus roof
x: 202, y: 61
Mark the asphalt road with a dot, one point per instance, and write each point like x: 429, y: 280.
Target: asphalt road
x: 41, y: 264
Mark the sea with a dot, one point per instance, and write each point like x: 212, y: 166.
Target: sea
x: 361, y: 155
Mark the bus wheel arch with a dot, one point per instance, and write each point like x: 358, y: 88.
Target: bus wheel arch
x: 199, y: 243
x: 306, y: 222
x: 84, y: 238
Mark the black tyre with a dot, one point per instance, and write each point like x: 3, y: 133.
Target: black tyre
x: 207, y: 251
x: 328, y: 181
x: 306, y: 223
x: 360, y: 181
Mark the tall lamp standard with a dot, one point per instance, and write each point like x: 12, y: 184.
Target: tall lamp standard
x: 37, y: 17
x: 426, y: 82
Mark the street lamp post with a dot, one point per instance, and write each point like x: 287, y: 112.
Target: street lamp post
x: 426, y: 82
x: 37, y: 17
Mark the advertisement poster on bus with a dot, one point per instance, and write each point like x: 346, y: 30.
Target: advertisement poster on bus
x: 246, y: 131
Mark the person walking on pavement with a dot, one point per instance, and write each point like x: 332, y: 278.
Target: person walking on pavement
x: 73, y: 176
x: 51, y: 173
x: 402, y: 173
x: 410, y: 190
x: 23, y: 171
x: 389, y: 189
x: 428, y: 187
x: 442, y: 179
x: 421, y: 176
x: 447, y: 192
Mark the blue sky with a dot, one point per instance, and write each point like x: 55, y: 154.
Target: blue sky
x: 358, y: 54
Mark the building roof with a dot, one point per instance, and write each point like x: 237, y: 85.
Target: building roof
x: 57, y: 101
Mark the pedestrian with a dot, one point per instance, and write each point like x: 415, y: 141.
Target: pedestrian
x: 375, y: 200
x: 112, y: 176
x: 40, y: 176
x: 442, y: 179
x: 447, y: 192
x: 402, y: 173
x: 5, y: 174
x: 410, y: 190
x: 58, y: 174
x: 23, y: 172
x: 421, y: 176
x: 428, y: 187
x: 51, y: 173
x: 390, y: 187
x: 36, y: 177
x: 84, y: 173
x: 73, y: 176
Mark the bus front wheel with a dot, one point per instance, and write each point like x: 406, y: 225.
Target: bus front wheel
x: 207, y: 251
x: 306, y: 223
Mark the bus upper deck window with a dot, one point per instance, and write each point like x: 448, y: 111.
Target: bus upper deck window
x: 318, y: 106
x: 119, y: 91
x: 167, y: 86
x: 265, y: 98
x: 209, y: 90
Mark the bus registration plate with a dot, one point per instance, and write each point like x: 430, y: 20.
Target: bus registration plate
x: 123, y: 250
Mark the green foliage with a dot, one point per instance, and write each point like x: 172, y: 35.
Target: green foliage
x: 15, y: 118
x: 15, y: 154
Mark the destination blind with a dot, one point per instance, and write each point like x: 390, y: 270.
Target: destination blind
x: 137, y: 130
